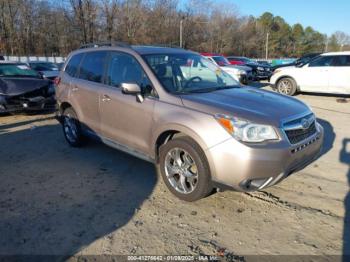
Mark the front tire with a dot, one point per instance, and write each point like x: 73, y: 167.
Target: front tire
x: 286, y: 86
x: 72, y: 128
x: 185, y: 169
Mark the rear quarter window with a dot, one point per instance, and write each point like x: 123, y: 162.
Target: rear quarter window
x: 342, y: 60
x: 73, y: 64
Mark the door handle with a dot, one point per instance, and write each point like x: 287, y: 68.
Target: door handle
x: 75, y: 89
x: 106, y: 98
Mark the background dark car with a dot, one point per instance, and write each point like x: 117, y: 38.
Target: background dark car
x: 299, y: 62
x: 23, y: 89
x: 260, y: 71
x: 264, y: 62
x: 46, y: 69
x: 60, y: 65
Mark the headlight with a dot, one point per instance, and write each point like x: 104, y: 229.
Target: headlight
x: 242, y: 72
x: 260, y: 68
x: 276, y: 71
x: 246, y: 131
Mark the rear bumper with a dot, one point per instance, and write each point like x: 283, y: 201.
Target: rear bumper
x: 247, y: 168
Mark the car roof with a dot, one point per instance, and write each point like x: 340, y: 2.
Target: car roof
x: 238, y: 57
x: 5, y: 62
x: 144, y: 50
x: 336, y: 53
x: 40, y: 62
x: 139, y: 49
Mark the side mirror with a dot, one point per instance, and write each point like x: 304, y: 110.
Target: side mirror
x: 130, y: 88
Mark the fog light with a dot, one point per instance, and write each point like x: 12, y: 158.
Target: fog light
x: 2, y: 108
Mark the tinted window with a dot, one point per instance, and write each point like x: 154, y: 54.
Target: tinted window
x: 73, y: 64
x: 220, y: 60
x: 92, y: 67
x: 342, y: 60
x: 321, y: 61
x: 124, y: 68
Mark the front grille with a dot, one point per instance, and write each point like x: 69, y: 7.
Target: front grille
x: 299, y: 129
x: 297, y: 135
x: 38, y: 92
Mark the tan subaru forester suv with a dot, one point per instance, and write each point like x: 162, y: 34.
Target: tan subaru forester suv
x: 176, y: 109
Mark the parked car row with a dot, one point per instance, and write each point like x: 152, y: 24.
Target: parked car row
x: 242, y: 69
x: 261, y: 71
x: 242, y: 74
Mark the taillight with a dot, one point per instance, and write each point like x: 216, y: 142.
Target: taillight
x: 57, y: 80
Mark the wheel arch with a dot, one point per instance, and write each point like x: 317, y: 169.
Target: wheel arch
x: 64, y: 106
x: 166, y: 134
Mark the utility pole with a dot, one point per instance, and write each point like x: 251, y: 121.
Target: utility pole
x: 267, y: 46
x: 181, y: 28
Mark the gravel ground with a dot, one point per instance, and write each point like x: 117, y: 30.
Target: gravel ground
x: 59, y: 200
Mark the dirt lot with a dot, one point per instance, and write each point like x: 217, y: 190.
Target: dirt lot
x: 55, y: 199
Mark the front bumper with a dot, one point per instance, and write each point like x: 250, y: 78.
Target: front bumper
x: 29, y: 104
x: 248, y: 168
x: 262, y: 75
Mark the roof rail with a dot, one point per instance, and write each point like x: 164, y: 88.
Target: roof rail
x: 165, y: 45
x: 99, y: 44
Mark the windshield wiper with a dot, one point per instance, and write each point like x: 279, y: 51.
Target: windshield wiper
x: 211, y: 89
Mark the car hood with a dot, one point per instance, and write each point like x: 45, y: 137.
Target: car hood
x: 241, y: 67
x: 229, y: 69
x: 12, y: 86
x: 287, y: 67
x: 258, y: 65
x: 54, y: 73
x: 254, y: 105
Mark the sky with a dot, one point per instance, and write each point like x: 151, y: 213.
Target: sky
x: 326, y: 16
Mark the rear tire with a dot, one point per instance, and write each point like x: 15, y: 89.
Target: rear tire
x: 185, y: 169
x: 286, y: 86
x: 72, y: 128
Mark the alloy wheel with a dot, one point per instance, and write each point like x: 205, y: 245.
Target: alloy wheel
x: 285, y: 87
x: 181, y: 170
x: 70, y: 128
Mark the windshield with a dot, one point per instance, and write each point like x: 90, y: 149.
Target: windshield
x: 189, y: 73
x: 45, y: 66
x: 18, y: 70
x: 305, y: 60
x: 221, y: 61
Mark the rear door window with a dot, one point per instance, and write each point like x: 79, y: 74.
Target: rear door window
x: 321, y: 61
x: 73, y: 64
x: 92, y: 66
x: 123, y: 68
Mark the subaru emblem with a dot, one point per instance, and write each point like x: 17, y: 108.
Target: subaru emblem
x: 305, y: 123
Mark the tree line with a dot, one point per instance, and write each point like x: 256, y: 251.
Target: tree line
x: 49, y: 27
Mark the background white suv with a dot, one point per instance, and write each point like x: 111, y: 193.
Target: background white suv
x: 327, y: 73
